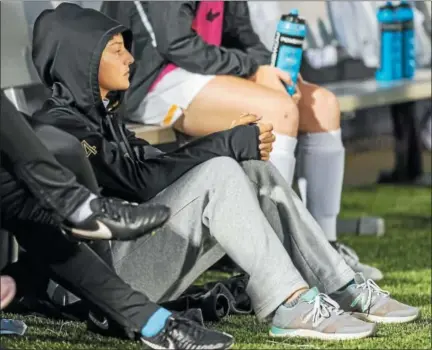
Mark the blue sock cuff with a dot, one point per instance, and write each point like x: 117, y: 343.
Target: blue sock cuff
x: 155, y: 323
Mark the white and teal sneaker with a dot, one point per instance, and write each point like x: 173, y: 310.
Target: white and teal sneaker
x: 368, y: 302
x: 319, y: 317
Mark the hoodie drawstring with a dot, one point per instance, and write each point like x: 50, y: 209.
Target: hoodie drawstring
x: 115, y: 136
x: 124, y: 146
x: 127, y: 144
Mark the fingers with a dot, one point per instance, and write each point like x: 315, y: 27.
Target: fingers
x: 265, y: 127
x: 265, y: 155
x: 267, y: 137
x: 297, y: 96
x: 247, y: 114
x: 268, y: 147
x: 300, y: 78
x: 246, y: 119
x: 249, y: 119
x: 284, y: 76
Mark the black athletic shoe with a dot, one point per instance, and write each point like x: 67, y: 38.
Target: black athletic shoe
x: 99, y: 324
x: 119, y: 220
x: 181, y: 333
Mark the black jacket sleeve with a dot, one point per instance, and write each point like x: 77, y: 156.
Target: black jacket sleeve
x: 239, y: 33
x: 178, y: 43
x: 141, y: 179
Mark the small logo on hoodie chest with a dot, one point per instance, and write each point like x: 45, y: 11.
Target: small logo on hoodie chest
x: 88, y: 149
x: 211, y: 16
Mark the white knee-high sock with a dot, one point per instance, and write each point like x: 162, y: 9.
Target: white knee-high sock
x: 283, y: 157
x: 321, y: 161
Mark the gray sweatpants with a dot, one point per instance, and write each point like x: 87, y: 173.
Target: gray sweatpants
x: 246, y: 211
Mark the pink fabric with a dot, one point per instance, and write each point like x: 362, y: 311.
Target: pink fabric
x: 168, y: 68
x: 209, y: 31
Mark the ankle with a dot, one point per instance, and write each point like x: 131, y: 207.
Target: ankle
x: 296, y: 294
x: 156, y: 323
x: 294, y: 298
x: 344, y: 287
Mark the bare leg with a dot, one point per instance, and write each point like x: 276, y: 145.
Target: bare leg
x: 318, y: 108
x: 225, y: 98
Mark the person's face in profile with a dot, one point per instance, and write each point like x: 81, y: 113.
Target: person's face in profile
x: 114, y: 66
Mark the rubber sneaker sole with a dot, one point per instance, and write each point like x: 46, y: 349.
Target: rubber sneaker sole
x: 383, y: 319
x: 311, y: 334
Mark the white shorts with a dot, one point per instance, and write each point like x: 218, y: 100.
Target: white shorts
x: 170, y: 97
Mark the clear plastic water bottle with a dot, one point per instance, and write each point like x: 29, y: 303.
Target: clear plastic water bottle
x: 405, y: 16
x: 288, y: 46
x: 8, y: 326
x: 390, y: 44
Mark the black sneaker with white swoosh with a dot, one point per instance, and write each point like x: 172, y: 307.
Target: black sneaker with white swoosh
x: 116, y: 219
x: 99, y: 324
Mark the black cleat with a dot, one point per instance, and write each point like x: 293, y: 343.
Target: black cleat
x: 115, y: 219
x: 99, y: 324
x: 182, y: 333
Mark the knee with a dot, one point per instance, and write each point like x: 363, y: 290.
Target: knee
x: 226, y: 164
x: 223, y: 168
x: 287, y: 118
x: 261, y: 172
x: 327, y: 110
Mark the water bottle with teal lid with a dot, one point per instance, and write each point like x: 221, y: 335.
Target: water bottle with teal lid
x: 288, y: 46
x: 405, y: 15
x: 390, y: 44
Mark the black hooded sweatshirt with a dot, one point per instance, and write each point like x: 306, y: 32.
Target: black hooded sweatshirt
x: 67, y: 46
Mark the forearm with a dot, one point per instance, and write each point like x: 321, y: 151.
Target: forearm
x: 239, y: 143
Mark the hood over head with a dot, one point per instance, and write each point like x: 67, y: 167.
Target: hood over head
x: 67, y: 47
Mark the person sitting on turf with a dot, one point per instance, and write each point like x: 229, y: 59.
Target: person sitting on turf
x: 246, y: 211
x: 201, y: 65
x: 36, y: 191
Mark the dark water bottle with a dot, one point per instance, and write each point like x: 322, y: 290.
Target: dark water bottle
x: 390, y: 67
x: 288, y: 46
x: 405, y: 16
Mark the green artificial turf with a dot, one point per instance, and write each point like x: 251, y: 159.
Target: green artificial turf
x: 403, y: 254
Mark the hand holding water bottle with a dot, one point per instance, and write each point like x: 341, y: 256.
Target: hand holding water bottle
x: 288, y: 47
x: 276, y: 79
